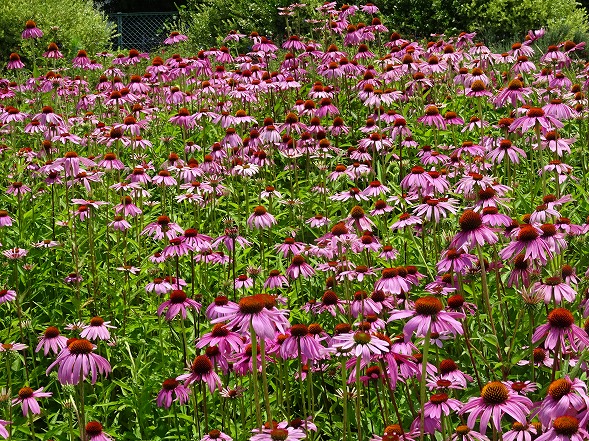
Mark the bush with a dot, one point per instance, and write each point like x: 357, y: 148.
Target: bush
x: 72, y: 24
x: 500, y: 20
x: 209, y: 22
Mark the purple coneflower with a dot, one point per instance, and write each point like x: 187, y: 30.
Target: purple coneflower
x: 78, y: 360
x: 428, y: 316
x: 7, y: 295
x: 171, y: 391
x: 28, y: 398
x: 260, y: 218
x: 495, y: 401
x: 177, y: 303
x: 202, y: 370
x: 472, y: 232
x: 95, y: 433
x: 564, y: 396
x: 51, y: 340
x: 216, y: 435
x: 98, y: 329
x: 561, y: 324
x: 565, y: 428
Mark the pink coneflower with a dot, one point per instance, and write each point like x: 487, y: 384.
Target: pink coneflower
x: 202, y: 370
x: 465, y: 433
x: 528, y: 238
x: 243, y: 281
x: 31, y: 30
x: 14, y: 62
x: 175, y: 37
x: 495, y: 401
x: 3, y: 432
x: 15, y: 253
x: 216, y: 435
x: 220, y: 336
x: 434, y: 210
x: 18, y: 189
x: 286, y: 434
x: 275, y: 280
x: 260, y: 218
x: 28, y: 398
x: 432, y: 117
x: 565, y: 428
x: 553, y: 289
x: 259, y: 311
x: 429, y: 315
x: 299, y: 267
x: 94, y: 432
x: 98, y: 329
x: 5, y: 219
x: 7, y: 295
x: 456, y: 260
x: 171, y: 391
x: 506, y: 149
x: 360, y: 344
x: 392, y: 282
x: 163, y: 226
x: 564, y: 396
x: 300, y: 343
x: 561, y: 324
x: 177, y: 303
x: 52, y: 52
x: 51, y: 340
x: 535, y: 116
x: 472, y: 232
x: 78, y: 360
x: 289, y: 246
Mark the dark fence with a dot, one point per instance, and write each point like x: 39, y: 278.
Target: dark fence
x: 143, y: 31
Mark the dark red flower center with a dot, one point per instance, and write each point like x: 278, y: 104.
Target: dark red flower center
x: 561, y: 318
x: 201, y: 365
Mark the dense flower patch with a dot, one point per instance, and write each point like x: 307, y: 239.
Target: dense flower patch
x: 347, y: 237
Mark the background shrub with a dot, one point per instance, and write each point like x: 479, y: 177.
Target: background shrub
x: 72, y: 24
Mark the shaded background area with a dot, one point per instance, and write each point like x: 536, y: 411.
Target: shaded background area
x: 112, y: 6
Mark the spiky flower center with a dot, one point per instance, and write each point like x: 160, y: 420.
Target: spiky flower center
x: 201, y: 365
x: 279, y: 434
x: 51, y: 332
x: 93, y: 428
x: 495, y: 392
x: 561, y: 318
x: 559, y: 388
x: 330, y: 298
x: 527, y: 233
x: 566, y: 425
x: 299, y: 330
x: 260, y: 210
x: 362, y: 338
x: 96, y: 321
x: 447, y: 366
x: 428, y: 306
x: 438, y: 398
x: 25, y: 392
x: 170, y: 384
x: 80, y: 347
x: 470, y: 221
x: 250, y: 305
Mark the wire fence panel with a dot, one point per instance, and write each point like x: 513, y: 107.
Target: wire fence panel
x: 143, y: 31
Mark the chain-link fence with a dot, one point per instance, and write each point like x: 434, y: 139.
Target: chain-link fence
x: 142, y: 30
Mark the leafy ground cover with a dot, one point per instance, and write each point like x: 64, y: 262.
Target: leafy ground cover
x: 351, y: 237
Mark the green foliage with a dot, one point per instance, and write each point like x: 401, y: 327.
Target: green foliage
x: 72, y: 24
x: 208, y: 22
x: 499, y: 20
